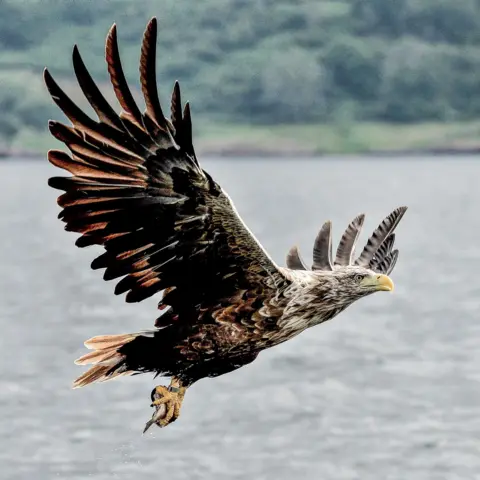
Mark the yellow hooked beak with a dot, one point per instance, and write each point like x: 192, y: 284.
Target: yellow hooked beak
x: 379, y: 282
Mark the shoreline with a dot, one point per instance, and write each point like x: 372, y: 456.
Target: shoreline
x: 256, y: 152
x: 361, y: 139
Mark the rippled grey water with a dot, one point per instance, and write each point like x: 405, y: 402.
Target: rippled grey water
x: 388, y: 390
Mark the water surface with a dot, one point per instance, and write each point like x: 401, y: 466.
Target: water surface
x: 388, y: 390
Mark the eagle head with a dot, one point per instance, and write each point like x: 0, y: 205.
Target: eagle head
x: 344, y: 285
x: 334, y: 283
x: 318, y: 296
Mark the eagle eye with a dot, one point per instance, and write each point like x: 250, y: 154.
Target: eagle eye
x: 358, y: 277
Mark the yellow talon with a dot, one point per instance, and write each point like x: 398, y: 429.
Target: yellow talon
x: 167, y: 403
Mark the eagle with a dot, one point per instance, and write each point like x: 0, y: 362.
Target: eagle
x: 169, y: 229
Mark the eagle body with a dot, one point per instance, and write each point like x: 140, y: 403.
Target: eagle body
x: 225, y: 337
x: 168, y: 228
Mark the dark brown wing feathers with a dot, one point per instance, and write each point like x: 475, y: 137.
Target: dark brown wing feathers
x: 187, y: 130
x: 119, y: 82
x: 148, y: 76
x: 102, y: 108
x: 182, y: 122
x: 176, y: 108
x: 137, y: 189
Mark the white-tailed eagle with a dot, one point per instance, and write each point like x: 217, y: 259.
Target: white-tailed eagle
x: 168, y: 228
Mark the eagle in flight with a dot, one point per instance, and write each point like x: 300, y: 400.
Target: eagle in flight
x: 168, y: 228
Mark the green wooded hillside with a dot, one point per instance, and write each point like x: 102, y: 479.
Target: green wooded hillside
x: 264, y: 62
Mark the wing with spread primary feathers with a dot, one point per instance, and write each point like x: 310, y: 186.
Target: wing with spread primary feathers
x: 378, y: 253
x: 137, y: 189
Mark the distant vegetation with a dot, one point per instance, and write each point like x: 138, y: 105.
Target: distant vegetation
x: 267, y: 62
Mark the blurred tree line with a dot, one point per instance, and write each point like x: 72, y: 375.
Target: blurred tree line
x: 267, y: 61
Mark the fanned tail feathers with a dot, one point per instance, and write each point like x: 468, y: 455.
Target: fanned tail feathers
x: 107, y: 362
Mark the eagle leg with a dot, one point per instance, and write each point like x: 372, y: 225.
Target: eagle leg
x: 167, y: 403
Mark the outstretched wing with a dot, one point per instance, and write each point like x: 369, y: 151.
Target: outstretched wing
x: 137, y: 189
x: 378, y: 253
